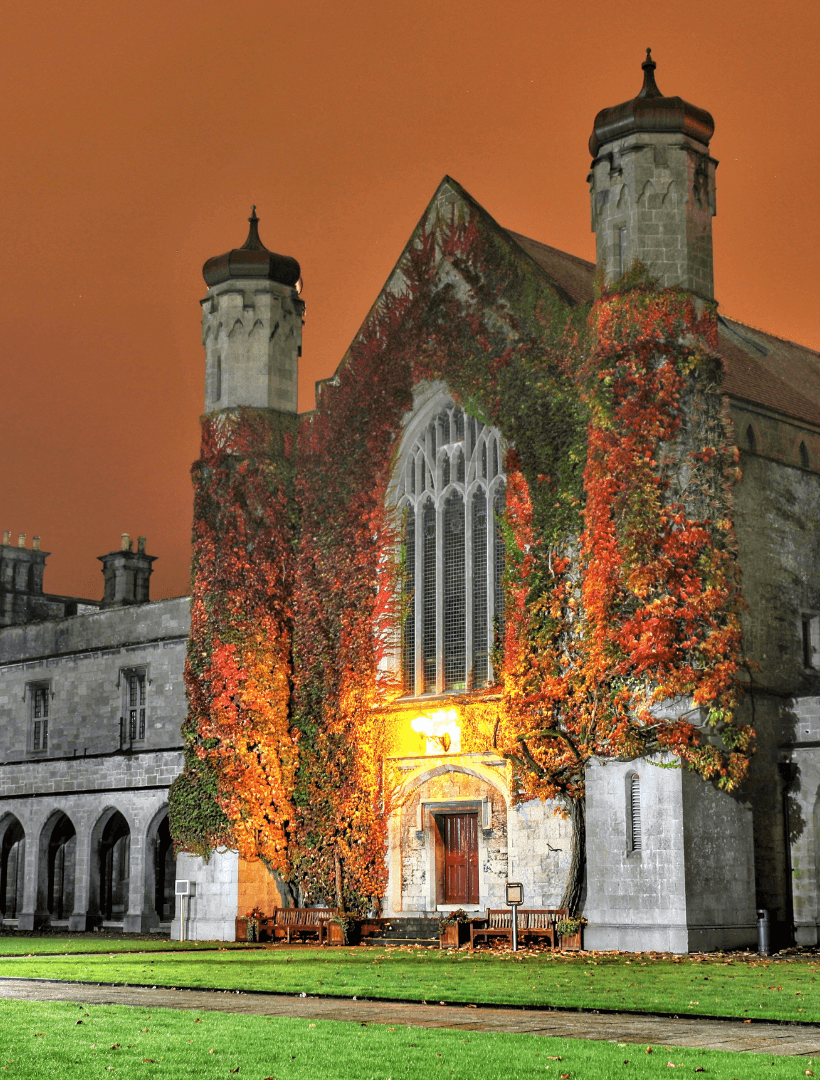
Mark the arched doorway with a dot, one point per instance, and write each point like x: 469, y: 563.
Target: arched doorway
x: 62, y: 859
x: 165, y: 865
x: 12, y: 867
x: 115, y: 868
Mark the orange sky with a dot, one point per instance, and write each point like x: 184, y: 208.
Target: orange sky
x: 135, y: 137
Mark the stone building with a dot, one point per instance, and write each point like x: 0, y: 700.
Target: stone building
x: 672, y: 863
x: 91, y: 698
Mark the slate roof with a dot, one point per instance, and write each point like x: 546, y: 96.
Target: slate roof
x: 759, y: 368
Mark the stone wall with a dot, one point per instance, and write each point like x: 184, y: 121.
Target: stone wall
x: 777, y: 517
x: 91, y: 773
x: 211, y: 913
x: 89, y: 813
x: 526, y: 843
x: 82, y: 660
x: 690, y: 883
x: 653, y: 199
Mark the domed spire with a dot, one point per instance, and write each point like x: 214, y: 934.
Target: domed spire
x: 252, y: 260
x: 650, y: 87
x: 650, y: 111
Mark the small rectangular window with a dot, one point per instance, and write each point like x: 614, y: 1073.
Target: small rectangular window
x: 621, y: 249
x: 810, y: 640
x: 39, y: 695
x: 135, y: 681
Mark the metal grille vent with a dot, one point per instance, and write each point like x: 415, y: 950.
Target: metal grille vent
x: 635, y: 797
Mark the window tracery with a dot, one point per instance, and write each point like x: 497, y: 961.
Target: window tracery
x: 451, y: 491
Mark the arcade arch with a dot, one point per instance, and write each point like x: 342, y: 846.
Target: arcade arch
x: 12, y: 867
x: 110, y: 867
x: 57, y: 865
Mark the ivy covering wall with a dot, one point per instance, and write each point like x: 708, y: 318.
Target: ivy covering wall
x: 623, y: 594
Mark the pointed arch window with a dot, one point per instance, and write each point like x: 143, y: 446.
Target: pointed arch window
x: 452, y: 494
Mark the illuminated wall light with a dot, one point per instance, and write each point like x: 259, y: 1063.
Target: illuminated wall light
x: 441, y: 730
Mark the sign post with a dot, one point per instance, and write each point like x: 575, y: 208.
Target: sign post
x: 515, y: 896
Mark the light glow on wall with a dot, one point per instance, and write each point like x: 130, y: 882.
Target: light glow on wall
x: 441, y: 730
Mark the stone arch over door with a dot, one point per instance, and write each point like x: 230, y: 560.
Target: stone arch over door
x: 434, y: 805
x: 110, y: 867
x: 56, y: 868
x: 12, y: 866
x: 160, y: 868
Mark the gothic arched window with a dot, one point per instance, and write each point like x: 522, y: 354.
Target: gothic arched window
x: 451, y: 490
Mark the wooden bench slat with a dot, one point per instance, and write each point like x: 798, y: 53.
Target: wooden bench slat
x: 532, y: 922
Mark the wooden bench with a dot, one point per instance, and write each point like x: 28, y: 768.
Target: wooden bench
x: 533, y: 923
x: 293, y: 922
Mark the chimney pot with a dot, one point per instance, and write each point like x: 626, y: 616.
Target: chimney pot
x: 7, y: 536
x: 141, y: 545
x: 126, y: 542
x: 35, y: 543
x: 21, y: 540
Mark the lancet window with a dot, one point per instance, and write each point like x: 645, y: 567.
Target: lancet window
x: 451, y: 492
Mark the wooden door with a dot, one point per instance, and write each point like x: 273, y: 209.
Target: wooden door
x: 460, y: 835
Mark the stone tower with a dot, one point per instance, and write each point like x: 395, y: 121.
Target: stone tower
x: 252, y: 327
x: 652, y: 187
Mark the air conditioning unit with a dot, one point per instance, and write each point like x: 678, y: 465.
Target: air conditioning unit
x: 184, y: 888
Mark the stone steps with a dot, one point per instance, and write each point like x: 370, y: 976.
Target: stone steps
x: 407, y: 931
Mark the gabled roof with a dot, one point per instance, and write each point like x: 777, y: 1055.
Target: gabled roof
x: 758, y: 368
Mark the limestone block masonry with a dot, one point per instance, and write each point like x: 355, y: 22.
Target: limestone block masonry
x: 95, y: 774
x: 653, y: 200
x: 688, y: 885
x: 252, y: 335
x: 210, y: 915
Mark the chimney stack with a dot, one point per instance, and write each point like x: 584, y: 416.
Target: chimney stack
x: 126, y: 574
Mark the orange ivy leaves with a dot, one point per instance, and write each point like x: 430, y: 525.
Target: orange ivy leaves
x: 626, y: 639
x: 238, y: 667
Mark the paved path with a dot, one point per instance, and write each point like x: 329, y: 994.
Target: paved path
x: 761, y: 1038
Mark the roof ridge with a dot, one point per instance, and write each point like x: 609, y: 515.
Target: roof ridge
x: 558, y: 251
x: 765, y: 333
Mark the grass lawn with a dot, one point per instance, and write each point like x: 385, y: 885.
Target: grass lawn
x: 44, y: 1039
x: 45, y: 944
x: 743, y: 986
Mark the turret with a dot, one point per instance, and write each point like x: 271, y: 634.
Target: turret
x: 252, y: 327
x: 652, y: 187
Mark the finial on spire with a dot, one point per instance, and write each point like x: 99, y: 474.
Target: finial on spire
x: 253, y: 243
x: 650, y: 87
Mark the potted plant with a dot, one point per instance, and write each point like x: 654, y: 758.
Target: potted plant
x: 454, y: 929
x: 247, y: 928
x: 342, y: 928
x: 570, y: 931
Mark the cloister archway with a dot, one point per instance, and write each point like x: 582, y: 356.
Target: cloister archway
x: 56, y: 867
x: 12, y: 867
x: 161, y: 867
